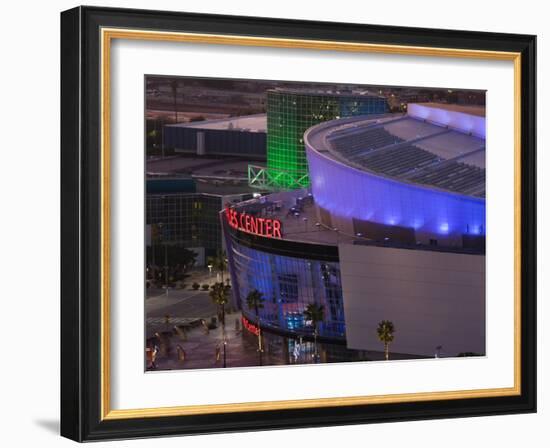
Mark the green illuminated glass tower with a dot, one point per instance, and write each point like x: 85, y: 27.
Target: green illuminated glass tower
x: 290, y: 113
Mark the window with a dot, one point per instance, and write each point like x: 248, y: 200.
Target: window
x: 288, y: 287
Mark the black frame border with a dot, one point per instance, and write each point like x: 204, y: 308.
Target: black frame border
x: 81, y: 224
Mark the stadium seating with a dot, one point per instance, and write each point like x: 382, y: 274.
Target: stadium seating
x: 363, y: 141
x: 455, y: 176
x: 399, y: 160
x: 374, y: 148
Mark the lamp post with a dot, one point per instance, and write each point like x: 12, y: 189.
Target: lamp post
x: 161, y: 225
x: 225, y: 264
x: 260, y: 347
x: 154, y: 236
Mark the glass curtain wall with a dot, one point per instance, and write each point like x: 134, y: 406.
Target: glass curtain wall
x: 189, y: 220
x: 289, y: 285
x: 291, y: 113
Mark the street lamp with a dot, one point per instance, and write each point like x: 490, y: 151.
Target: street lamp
x: 161, y: 225
x: 225, y: 265
x: 210, y: 269
x: 260, y: 349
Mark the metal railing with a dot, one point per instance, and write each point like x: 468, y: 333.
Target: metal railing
x: 265, y: 178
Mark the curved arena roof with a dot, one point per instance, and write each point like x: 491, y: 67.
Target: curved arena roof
x: 406, y: 148
x: 399, y: 170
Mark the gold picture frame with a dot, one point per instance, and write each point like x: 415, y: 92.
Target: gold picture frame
x: 521, y: 54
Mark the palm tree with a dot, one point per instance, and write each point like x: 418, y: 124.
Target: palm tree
x: 219, y: 262
x: 255, y: 301
x: 219, y: 293
x: 316, y: 314
x: 386, y: 332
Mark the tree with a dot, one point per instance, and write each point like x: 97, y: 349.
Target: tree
x: 219, y: 293
x: 255, y: 301
x: 315, y: 314
x: 386, y: 332
x: 219, y: 262
x: 179, y: 259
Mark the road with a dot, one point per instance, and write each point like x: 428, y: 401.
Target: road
x: 180, y: 303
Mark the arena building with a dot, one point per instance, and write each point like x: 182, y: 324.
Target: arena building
x: 391, y: 228
x: 290, y: 112
x: 417, y: 178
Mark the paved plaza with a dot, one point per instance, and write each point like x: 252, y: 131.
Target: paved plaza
x: 174, y: 322
x: 198, y: 348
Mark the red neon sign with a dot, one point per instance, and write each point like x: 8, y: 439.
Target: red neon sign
x: 251, y: 224
x: 250, y: 326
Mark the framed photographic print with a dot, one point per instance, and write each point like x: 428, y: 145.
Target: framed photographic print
x: 274, y: 224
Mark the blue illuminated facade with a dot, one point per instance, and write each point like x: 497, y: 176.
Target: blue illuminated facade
x: 369, y: 197
x: 289, y: 284
x: 348, y: 194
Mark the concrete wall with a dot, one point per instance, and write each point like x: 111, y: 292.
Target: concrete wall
x: 433, y: 298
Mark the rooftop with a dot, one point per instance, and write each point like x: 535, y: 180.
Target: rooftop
x: 220, y: 176
x: 296, y: 211
x: 250, y: 123
x: 406, y: 148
